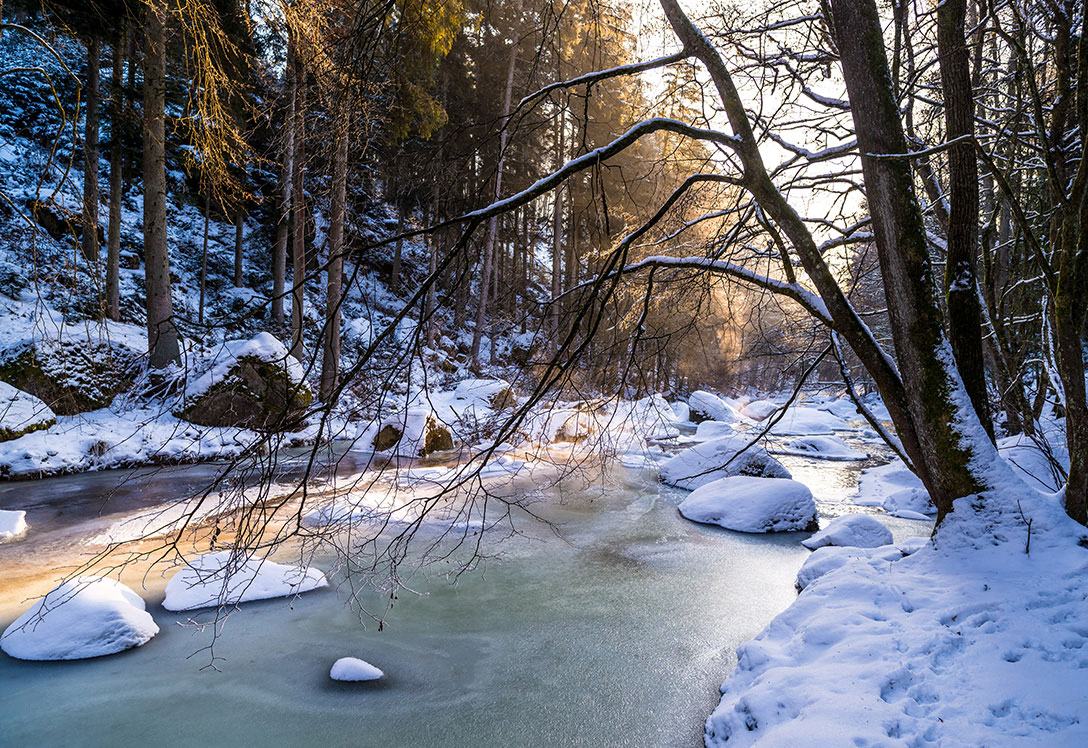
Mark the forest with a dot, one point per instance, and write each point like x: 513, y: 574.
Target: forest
x: 498, y: 317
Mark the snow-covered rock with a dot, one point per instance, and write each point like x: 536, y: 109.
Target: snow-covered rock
x: 708, y: 430
x: 226, y: 578
x: 753, y: 505
x: 759, y: 410
x: 706, y: 406
x: 12, y: 524
x: 415, y: 432
x: 854, y: 530
x: 494, y: 393
x: 802, y: 421
x: 821, y: 448
x: 682, y: 411
x: 84, y: 617
x: 253, y: 384
x: 719, y: 458
x: 830, y: 557
x: 896, y: 489
x: 22, y: 413
x: 354, y: 669
x: 72, y: 375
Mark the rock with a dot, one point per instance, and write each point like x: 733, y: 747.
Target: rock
x: 414, y: 433
x: 253, y: 384
x: 853, y: 530
x: 759, y: 410
x: 705, y: 406
x: 494, y: 393
x: 21, y: 413
x: 753, y: 505
x: 84, y: 617
x: 720, y: 458
x: 228, y: 578
x: 354, y: 669
x: 12, y: 524
x: 70, y: 376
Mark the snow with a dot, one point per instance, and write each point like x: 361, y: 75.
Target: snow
x: 969, y: 641
x: 227, y: 578
x: 413, y: 425
x: 719, y: 458
x: 751, y: 504
x: 354, y: 669
x: 896, y: 489
x: 83, y: 617
x: 830, y: 557
x: 800, y: 420
x: 1031, y: 462
x: 759, y: 410
x: 479, y: 390
x: 710, y: 407
x: 682, y: 411
x: 821, y: 448
x: 20, y: 410
x: 12, y: 524
x: 264, y: 347
x: 855, y: 530
x: 708, y: 430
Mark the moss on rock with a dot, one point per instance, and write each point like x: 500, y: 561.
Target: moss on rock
x: 70, y: 376
x: 254, y: 394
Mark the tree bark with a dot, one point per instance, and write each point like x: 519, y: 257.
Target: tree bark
x: 89, y: 240
x: 961, y: 279
x: 204, y: 260
x: 162, y: 336
x: 113, y: 241
x: 239, y: 237
x: 330, y: 359
x: 298, y: 212
x: 283, y: 219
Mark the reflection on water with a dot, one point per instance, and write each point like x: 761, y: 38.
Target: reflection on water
x: 617, y: 633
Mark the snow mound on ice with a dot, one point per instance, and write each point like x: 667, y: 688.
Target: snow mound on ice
x: 12, y: 524
x: 719, y: 458
x: 84, y: 617
x: 753, y: 505
x: 759, y: 410
x: 855, y: 530
x: 707, y: 406
x: 821, y: 448
x: 831, y: 557
x: 802, y: 421
x: 682, y: 411
x: 708, y: 430
x: 226, y: 578
x: 354, y: 669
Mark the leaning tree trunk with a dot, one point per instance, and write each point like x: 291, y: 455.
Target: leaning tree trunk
x: 953, y: 443
x: 117, y: 154
x: 961, y: 279
x: 298, y: 212
x: 89, y: 240
x: 162, y: 336
x: 330, y: 358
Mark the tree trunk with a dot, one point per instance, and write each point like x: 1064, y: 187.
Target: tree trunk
x: 113, y: 242
x: 239, y: 236
x: 89, y: 240
x: 557, y: 236
x: 330, y: 359
x: 162, y: 336
x: 394, y: 274
x: 283, y: 219
x: 493, y: 222
x: 204, y: 260
x: 961, y: 280
x: 298, y: 212
x: 947, y: 430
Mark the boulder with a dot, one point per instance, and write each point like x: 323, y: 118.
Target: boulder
x: 706, y: 406
x: 71, y: 375
x: 253, y: 384
x: 228, y: 578
x: 84, y: 617
x: 416, y: 432
x: 720, y: 458
x: 759, y: 410
x: 750, y: 504
x: 853, y: 530
x: 494, y: 393
x: 21, y: 413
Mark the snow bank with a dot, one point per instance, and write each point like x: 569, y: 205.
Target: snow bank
x: 21, y: 412
x: 802, y: 421
x: 707, y: 406
x: 759, y: 410
x: 970, y: 641
x: 719, y: 458
x: 226, y: 578
x: 491, y: 393
x: 708, y: 430
x: 753, y: 505
x: 84, y: 617
x: 831, y: 557
x: 896, y: 489
x: 855, y: 530
x: 1029, y: 459
x: 354, y: 669
x: 12, y: 524
x: 821, y: 448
